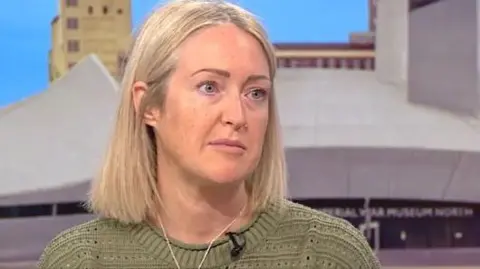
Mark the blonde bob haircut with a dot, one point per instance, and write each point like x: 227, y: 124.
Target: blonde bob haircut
x: 126, y: 188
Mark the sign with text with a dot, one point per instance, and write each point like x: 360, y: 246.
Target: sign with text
x: 400, y: 212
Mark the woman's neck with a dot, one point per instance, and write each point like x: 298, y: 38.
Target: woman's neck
x: 197, y: 214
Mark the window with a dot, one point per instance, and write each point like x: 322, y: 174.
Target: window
x: 362, y: 64
x: 465, y: 233
x: 283, y: 62
x: 71, y: 209
x: 319, y: 62
x: 105, y: 10
x: 326, y: 63
x: 350, y: 63
x: 73, y: 46
x: 90, y: 10
x: 25, y: 211
x: 304, y: 63
x: 356, y: 63
x: 37, y: 210
x: 332, y: 62
x: 338, y: 63
x: 416, y: 235
x: 71, y: 3
x: 72, y: 23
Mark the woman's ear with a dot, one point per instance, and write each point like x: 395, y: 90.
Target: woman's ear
x: 139, y: 90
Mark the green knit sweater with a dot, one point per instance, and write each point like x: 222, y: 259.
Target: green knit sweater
x: 286, y: 235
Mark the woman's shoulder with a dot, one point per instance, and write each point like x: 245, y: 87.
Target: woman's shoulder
x: 298, y: 213
x: 81, y: 242
x: 331, y: 235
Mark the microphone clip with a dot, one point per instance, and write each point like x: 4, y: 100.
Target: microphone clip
x: 238, y: 242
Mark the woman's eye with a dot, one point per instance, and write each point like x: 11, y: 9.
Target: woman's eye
x: 208, y: 88
x: 257, y: 94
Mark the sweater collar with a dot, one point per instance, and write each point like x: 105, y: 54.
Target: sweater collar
x: 189, y: 256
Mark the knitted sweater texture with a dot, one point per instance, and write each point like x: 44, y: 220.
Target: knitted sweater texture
x: 285, y: 235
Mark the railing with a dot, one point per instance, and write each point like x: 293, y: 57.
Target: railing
x: 352, y: 63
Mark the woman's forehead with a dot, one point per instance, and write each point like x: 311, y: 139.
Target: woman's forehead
x: 223, y: 47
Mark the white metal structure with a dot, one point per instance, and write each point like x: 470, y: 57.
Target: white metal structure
x: 57, y: 138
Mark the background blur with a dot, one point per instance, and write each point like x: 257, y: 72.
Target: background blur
x: 26, y: 32
x: 379, y: 104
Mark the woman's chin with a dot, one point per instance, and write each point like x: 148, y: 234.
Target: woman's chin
x: 224, y: 176
x: 224, y: 179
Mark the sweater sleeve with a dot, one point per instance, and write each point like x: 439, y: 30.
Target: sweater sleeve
x: 359, y: 253
x: 369, y: 259
x: 54, y: 255
x: 64, y: 251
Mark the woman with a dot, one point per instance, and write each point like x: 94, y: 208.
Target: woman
x: 195, y: 173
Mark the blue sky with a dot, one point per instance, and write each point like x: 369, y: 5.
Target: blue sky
x: 24, y: 44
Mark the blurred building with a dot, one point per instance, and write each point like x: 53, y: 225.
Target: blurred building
x: 349, y: 56
x: 82, y: 27
x: 394, y: 150
x: 357, y: 54
x: 104, y: 27
x: 367, y: 37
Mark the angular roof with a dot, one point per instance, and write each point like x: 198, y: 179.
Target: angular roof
x: 347, y: 135
x: 57, y: 138
x: 347, y: 108
x: 6, y: 109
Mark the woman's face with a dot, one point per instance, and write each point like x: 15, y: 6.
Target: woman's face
x: 216, y: 110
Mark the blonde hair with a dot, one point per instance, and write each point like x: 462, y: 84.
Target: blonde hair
x: 126, y: 187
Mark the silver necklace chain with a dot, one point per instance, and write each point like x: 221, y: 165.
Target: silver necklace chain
x: 209, y: 245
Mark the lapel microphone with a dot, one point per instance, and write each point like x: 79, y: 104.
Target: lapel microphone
x: 238, y: 242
